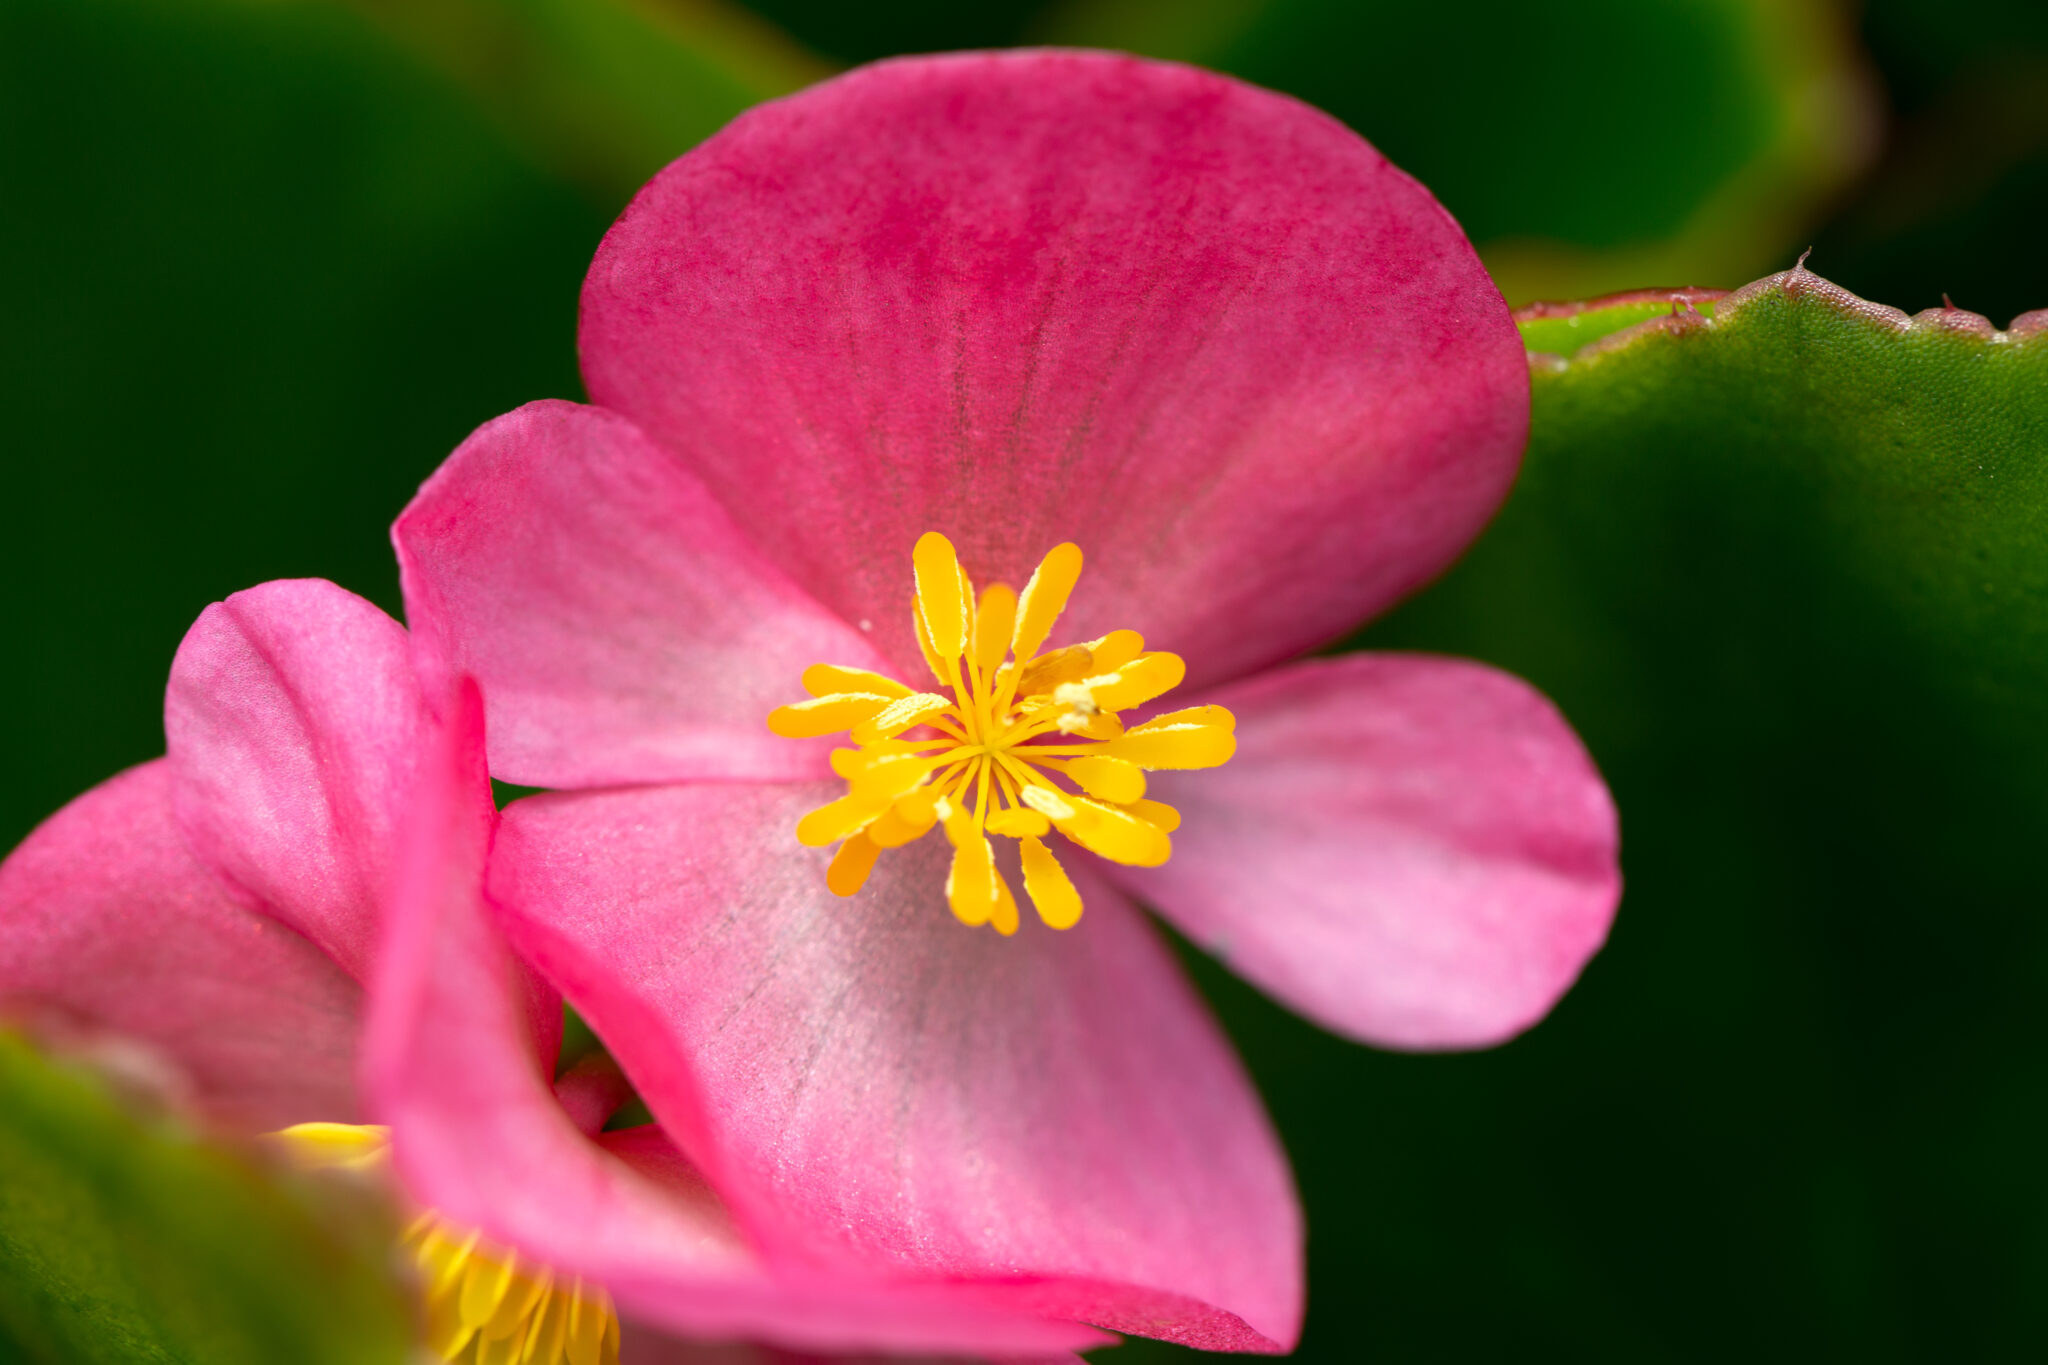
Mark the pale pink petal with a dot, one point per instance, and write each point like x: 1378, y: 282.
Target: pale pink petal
x: 294, y: 723
x: 1202, y: 330
x: 621, y: 627
x: 479, y: 1137
x: 870, y: 1083
x: 108, y: 923
x: 1414, y: 851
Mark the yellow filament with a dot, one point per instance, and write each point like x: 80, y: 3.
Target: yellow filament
x: 483, y: 1303
x: 987, y: 750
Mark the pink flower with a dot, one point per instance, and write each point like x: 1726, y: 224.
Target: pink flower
x: 315, y: 829
x: 1257, y: 375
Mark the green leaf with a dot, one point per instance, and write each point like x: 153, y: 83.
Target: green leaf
x: 1585, y: 147
x: 1787, y: 573
x: 1564, y: 328
x: 125, y: 1238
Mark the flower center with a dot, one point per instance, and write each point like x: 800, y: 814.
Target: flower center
x: 483, y: 1302
x: 1017, y: 743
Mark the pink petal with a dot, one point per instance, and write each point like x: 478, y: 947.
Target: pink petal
x: 869, y: 1083
x: 106, y: 921
x: 1414, y: 851
x: 639, y: 1345
x: 294, y: 721
x: 478, y: 1136
x: 1201, y: 329
x: 622, y: 629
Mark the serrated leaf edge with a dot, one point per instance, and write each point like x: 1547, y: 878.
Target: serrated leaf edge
x: 1798, y: 284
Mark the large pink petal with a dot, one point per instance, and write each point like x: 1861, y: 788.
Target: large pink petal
x: 1201, y: 329
x: 478, y: 1135
x: 1413, y: 851
x: 623, y: 630
x: 870, y: 1083
x: 294, y: 723
x: 108, y: 922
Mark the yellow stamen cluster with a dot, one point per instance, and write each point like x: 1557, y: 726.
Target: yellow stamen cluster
x: 989, y: 752
x: 485, y: 1304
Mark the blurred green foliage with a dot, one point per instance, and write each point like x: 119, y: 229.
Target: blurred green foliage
x: 263, y: 273
x: 605, y: 92
x: 1957, y: 204
x: 124, y: 1239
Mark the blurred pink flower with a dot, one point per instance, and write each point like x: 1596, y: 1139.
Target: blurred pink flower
x: 1210, y: 336
x: 315, y: 829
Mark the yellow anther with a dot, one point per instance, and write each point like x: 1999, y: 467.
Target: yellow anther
x: 1158, y: 813
x: 852, y: 863
x: 902, y: 714
x: 1045, y: 881
x: 892, y: 830
x: 1018, y: 823
x: 835, y: 820
x: 920, y: 808
x: 1048, y: 802
x: 1137, y: 682
x: 330, y: 1146
x: 932, y: 660
x: 523, y: 1291
x: 483, y: 1304
x: 1045, y: 597
x: 889, y: 775
x: 991, y: 757
x: 485, y: 1287
x: 1113, y: 650
x: 1076, y: 704
x: 1050, y: 671
x: 1215, y: 717
x: 941, y: 595
x: 1103, y: 725
x: 826, y: 715
x: 590, y: 1324
x: 1168, y: 742
x: 1116, y: 834
x: 993, y: 620
x: 822, y: 680
x: 971, y: 885
x: 1112, y: 779
x: 1003, y: 919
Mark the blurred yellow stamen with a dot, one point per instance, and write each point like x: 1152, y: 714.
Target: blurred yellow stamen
x: 484, y: 1303
x: 987, y: 750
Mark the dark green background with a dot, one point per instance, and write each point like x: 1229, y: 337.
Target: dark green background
x: 263, y: 268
